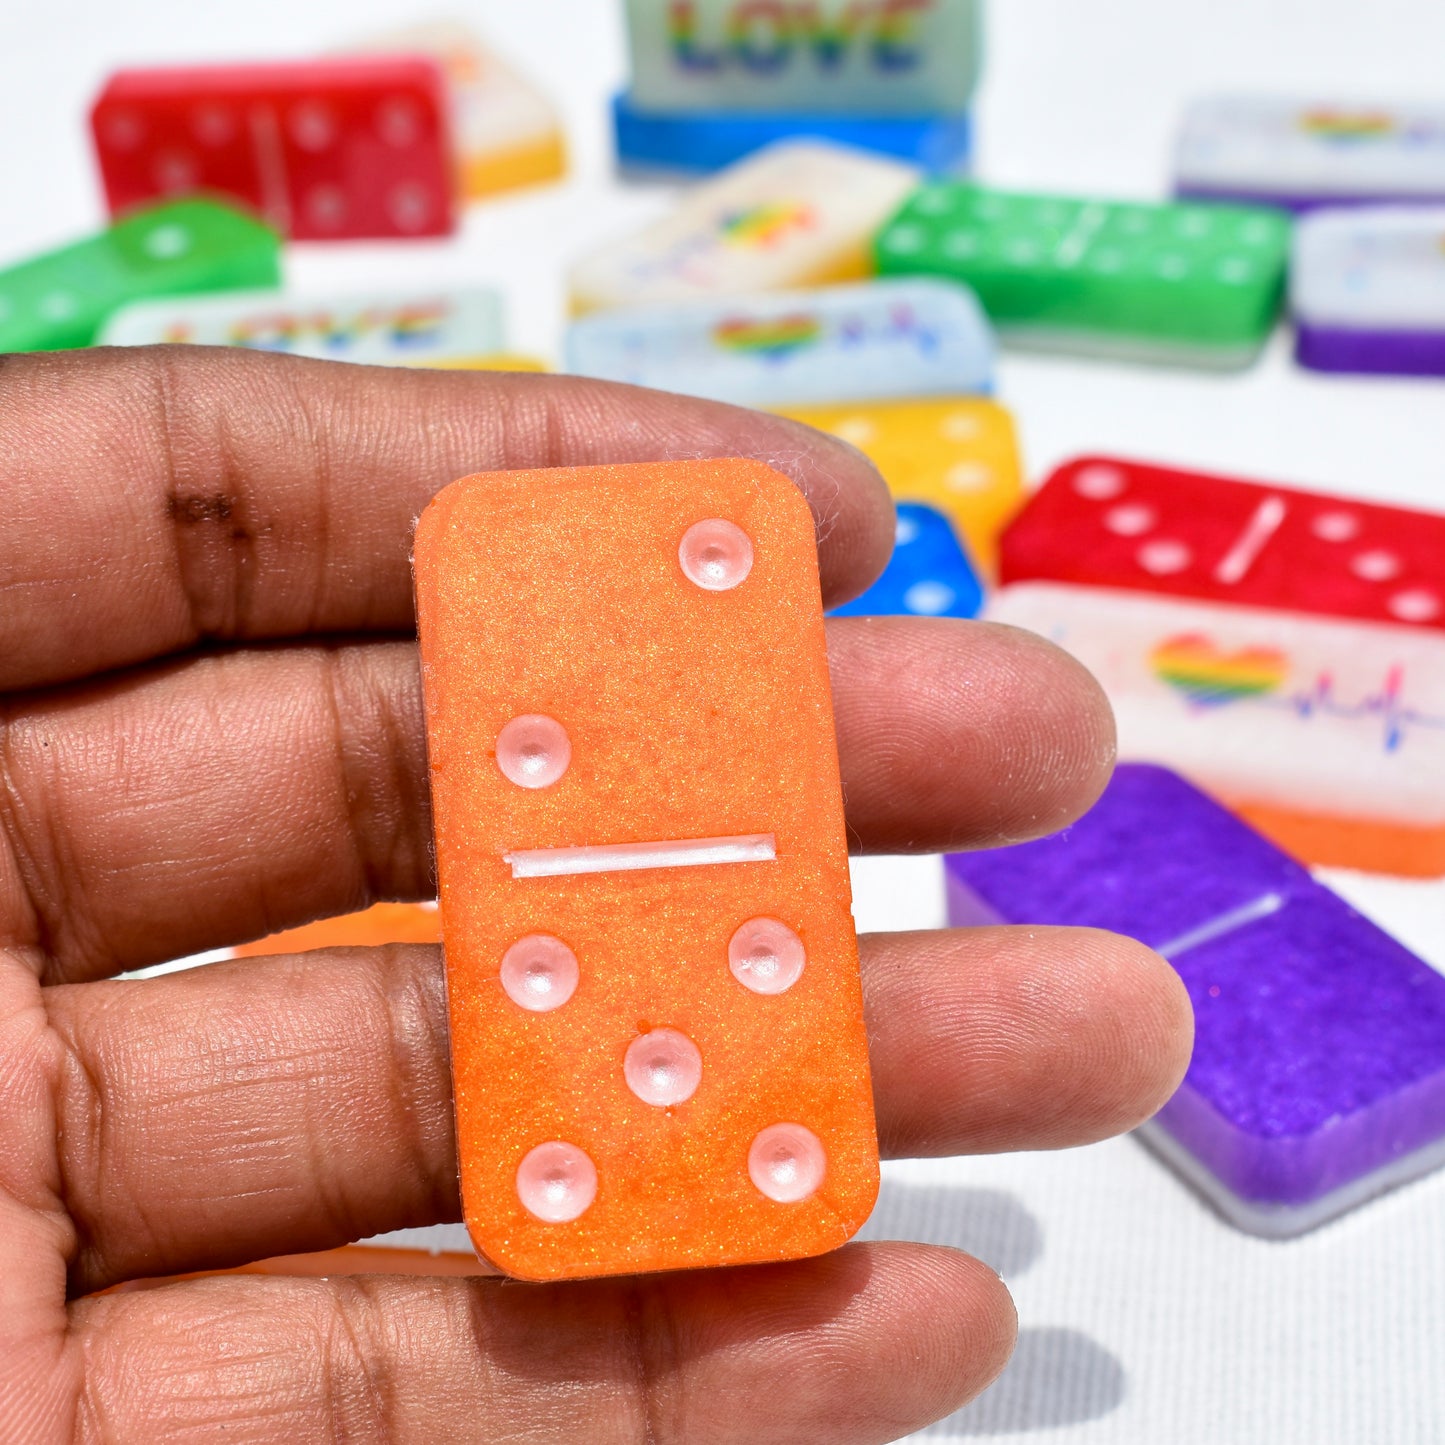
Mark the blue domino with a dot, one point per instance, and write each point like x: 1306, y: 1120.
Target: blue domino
x: 704, y: 141
x: 929, y: 574
x: 830, y: 344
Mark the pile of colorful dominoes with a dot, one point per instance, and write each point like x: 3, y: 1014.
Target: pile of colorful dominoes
x: 1282, y: 650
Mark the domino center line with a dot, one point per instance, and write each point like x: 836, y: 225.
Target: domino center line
x: 1230, y: 922
x: 626, y: 857
x: 1262, y: 526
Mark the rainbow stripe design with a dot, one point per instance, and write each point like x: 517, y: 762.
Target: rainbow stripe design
x: 766, y: 226
x: 1347, y: 126
x: 773, y: 336
x: 1211, y: 677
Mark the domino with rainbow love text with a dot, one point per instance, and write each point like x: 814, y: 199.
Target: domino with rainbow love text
x: 821, y: 57
x: 957, y: 454
x: 658, y: 1048
x: 391, y: 327
x: 1107, y: 522
x: 800, y: 213
x: 780, y: 348
x: 1302, y: 154
x: 326, y: 150
x: 1318, y: 1075
x: 1326, y: 734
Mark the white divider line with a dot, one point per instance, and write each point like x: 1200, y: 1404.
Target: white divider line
x: 1213, y: 928
x: 624, y: 857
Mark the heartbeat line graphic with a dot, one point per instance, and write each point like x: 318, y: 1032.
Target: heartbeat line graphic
x: 1396, y: 718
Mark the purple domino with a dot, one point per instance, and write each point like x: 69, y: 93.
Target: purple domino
x: 1318, y: 1076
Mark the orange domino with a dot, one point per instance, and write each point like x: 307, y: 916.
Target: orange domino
x: 658, y: 1050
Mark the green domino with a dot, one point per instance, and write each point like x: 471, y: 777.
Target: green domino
x: 59, y: 300
x: 1191, y: 284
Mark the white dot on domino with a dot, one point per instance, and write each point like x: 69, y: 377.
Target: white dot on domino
x: 905, y: 239
x: 1130, y: 519
x: 533, y: 751
x: 165, y: 243
x: 959, y: 426
x: 905, y: 530
x: 929, y: 598
x: 539, y: 973
x: 968, y: 477
x: 858, y: 431
x: 556, y: 1182
x: 1377, y: 565
x: 1415, y: 605
x: 787, y: 1163
x: 1099, y: 483
x: 1336, y: 526
x: 663, y: 1067
x: 716, y: 555
x: 312, y: 127
x: 1164, y: 556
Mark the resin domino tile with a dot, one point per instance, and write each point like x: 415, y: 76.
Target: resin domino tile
x: 1110, y: 522
x: 958, y: 454
x: 1318, y: 1073
x: 62, y: 298
x: 658, y: 1049
x: 506, y: 132
x: 1327, y: 733
x: 834, y: 58
x: 928, y: 575
x: 1308, y: 153
x: 335, y: 149
x: 1182, y: 283
x: 1367, y: 291
x: 800, y: 213
x: 774, y: 349
x: 393, y: 327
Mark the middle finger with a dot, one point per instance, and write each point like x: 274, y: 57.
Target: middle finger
x: 207, y: 802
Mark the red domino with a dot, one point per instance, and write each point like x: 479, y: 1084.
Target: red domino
x: 325, y: 150
x: 1104, y: 522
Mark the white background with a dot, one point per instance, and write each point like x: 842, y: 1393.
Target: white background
x: 1145, y: 1319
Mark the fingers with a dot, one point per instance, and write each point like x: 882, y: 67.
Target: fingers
x: 155, y: 497
x: 284, y: 1104
x: 854, y: 1348
x: 216, y: 800
x: 963, y: 734
x: 991, y: 1039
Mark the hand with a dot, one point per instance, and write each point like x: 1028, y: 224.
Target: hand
x: 212, y: 730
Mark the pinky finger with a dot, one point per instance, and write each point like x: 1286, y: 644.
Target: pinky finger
x: 860, y: 1346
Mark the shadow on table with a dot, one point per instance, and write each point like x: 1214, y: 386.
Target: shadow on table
x: 987, y: 1223
x: 1056, y: 1377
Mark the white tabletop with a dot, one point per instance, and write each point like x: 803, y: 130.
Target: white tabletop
x: 1145, y: 1320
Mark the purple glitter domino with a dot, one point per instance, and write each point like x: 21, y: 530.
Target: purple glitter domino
x: 1318, y: 1077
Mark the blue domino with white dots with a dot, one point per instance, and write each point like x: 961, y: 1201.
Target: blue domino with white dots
x: 929, y: 574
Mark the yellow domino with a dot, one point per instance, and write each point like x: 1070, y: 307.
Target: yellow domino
x: 958, y: 454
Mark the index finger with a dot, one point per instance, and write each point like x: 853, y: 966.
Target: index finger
x: 157, y: 497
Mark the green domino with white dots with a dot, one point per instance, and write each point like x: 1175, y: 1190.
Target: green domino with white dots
x: 1185, y: 283
x: 60, y: 299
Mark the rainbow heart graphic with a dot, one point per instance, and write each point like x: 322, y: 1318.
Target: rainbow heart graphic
x: 1209, y: 676
x: 772, y: 336
x: 769, y: 224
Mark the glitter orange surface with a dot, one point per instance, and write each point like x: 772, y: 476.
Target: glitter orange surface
x: 690, y: 714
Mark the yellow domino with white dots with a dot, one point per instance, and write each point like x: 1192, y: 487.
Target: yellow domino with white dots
x: 959, y: 454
